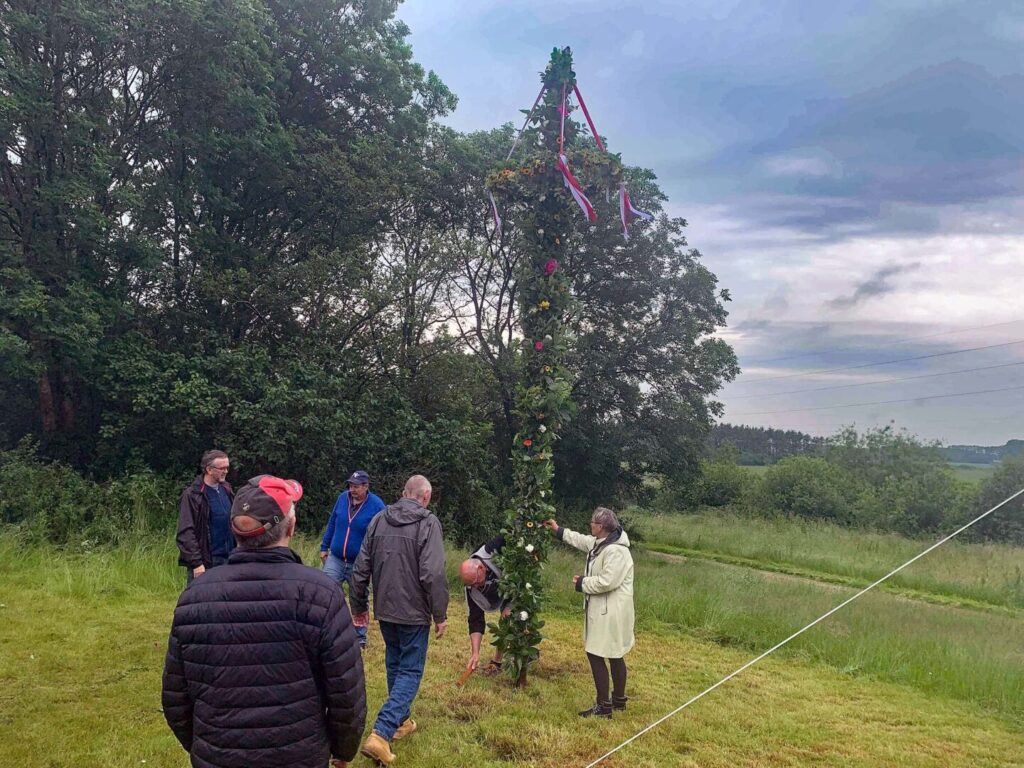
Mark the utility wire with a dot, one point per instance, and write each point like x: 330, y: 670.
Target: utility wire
x: 874, y: 383
x: 907, y: 340
x: 879, y: 402
x: 796, y: 634
x: 886, y: 362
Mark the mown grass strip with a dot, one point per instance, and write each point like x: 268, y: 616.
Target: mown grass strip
x: 789, y: 569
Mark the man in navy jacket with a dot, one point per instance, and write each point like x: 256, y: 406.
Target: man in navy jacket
x: 352, y: 513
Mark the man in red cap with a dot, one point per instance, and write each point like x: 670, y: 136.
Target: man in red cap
x: 263, y: 667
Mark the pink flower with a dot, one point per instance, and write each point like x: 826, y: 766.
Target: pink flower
x: 538, y: 345
x: 550, y: 267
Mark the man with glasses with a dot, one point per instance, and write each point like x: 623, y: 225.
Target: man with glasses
x: 204, y: 518
x: 350, y: 518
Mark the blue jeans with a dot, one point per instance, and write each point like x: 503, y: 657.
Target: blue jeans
x: 404, y: 657
x: 341, y: 572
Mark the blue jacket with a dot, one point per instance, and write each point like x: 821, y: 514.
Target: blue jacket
x: 344, y: 537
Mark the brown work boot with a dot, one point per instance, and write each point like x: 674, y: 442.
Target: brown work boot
x: 377, y: 749
x: 405, y: 729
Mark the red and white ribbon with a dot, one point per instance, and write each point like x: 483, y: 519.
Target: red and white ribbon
x: 494, y: 212
x: 575, y: 189
x: 627, y: 211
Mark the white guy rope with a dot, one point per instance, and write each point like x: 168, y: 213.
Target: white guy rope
x: 818, y: 620
x: 526, y: 122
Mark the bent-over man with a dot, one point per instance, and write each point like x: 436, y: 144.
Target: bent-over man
x: 480, y: 575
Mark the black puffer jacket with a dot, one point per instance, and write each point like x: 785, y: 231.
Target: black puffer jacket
x: 263, y: 667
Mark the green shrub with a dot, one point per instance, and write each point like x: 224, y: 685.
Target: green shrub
x: 51, y: 502
x: 1006, y: 524
x: 931, y: 501
x: 721, y: 484
x: 808, y: 487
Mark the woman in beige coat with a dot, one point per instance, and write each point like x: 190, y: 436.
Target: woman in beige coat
x: 607, y: 583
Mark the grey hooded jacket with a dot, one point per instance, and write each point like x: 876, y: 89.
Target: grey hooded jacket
x: 403, y: 553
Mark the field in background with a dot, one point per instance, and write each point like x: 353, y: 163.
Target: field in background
x: 984, y: 575
x: 891, y: 681
x: 972, y: 473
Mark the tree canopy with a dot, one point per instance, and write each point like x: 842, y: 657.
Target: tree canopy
x: 240, y: 224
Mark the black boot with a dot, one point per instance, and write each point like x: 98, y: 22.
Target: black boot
x: 601, y: 709
x: 619, y: 702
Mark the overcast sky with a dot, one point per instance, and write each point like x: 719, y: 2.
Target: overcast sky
x: 853, y: 172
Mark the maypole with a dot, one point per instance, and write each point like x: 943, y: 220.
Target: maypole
x: 545, y: 189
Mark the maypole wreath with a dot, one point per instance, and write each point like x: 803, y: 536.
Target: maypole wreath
x: 541, y: 189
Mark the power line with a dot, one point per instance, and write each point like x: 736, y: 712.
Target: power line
x: 907, y: 340
x: 886, y: 362
x: 799, y: 632
x: 873, y: 383
x: 878, y: 402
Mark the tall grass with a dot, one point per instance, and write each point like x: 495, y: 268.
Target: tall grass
x: 84, y: 636
x: 986, y: 573
x: 952, y: 652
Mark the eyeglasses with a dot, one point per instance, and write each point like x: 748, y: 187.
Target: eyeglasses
x: 225, y: 468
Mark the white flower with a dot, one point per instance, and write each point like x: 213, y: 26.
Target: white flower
x: 523, y: 615
x: 529, y: 585
x: 529, y: 547
x: 542, y: 429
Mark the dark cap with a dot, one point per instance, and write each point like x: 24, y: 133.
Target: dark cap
x: 359, y: 477
x: 262, y: 503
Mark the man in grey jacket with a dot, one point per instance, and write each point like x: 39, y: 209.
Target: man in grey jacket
x: 403, y: 555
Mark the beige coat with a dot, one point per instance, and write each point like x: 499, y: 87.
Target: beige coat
x: 608, y: 584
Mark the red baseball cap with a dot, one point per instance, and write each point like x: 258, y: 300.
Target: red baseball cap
x: 262, y: 503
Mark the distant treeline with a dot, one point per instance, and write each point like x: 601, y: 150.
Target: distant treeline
x: 883, y: 479
x: 981, y: 454
x: 754, y: 446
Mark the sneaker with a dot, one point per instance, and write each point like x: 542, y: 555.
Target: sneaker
x: 601, y: 709
x: 377, y: 749
x: 405, y: 729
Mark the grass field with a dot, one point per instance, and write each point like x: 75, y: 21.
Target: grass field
x: 972, y: 473
x: 983, y: 575
x: 894, y: 682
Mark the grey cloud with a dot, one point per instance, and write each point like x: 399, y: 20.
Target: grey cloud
x: 877, y: 285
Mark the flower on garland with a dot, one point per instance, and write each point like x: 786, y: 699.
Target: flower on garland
x: 550, y: 267
x: 542, y: 429
x: 538, y: 345
x: 528, y: 547
x: 529, y: 523
x: 544, y: 305
x: 523, y: 615
x: 527, y: 442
